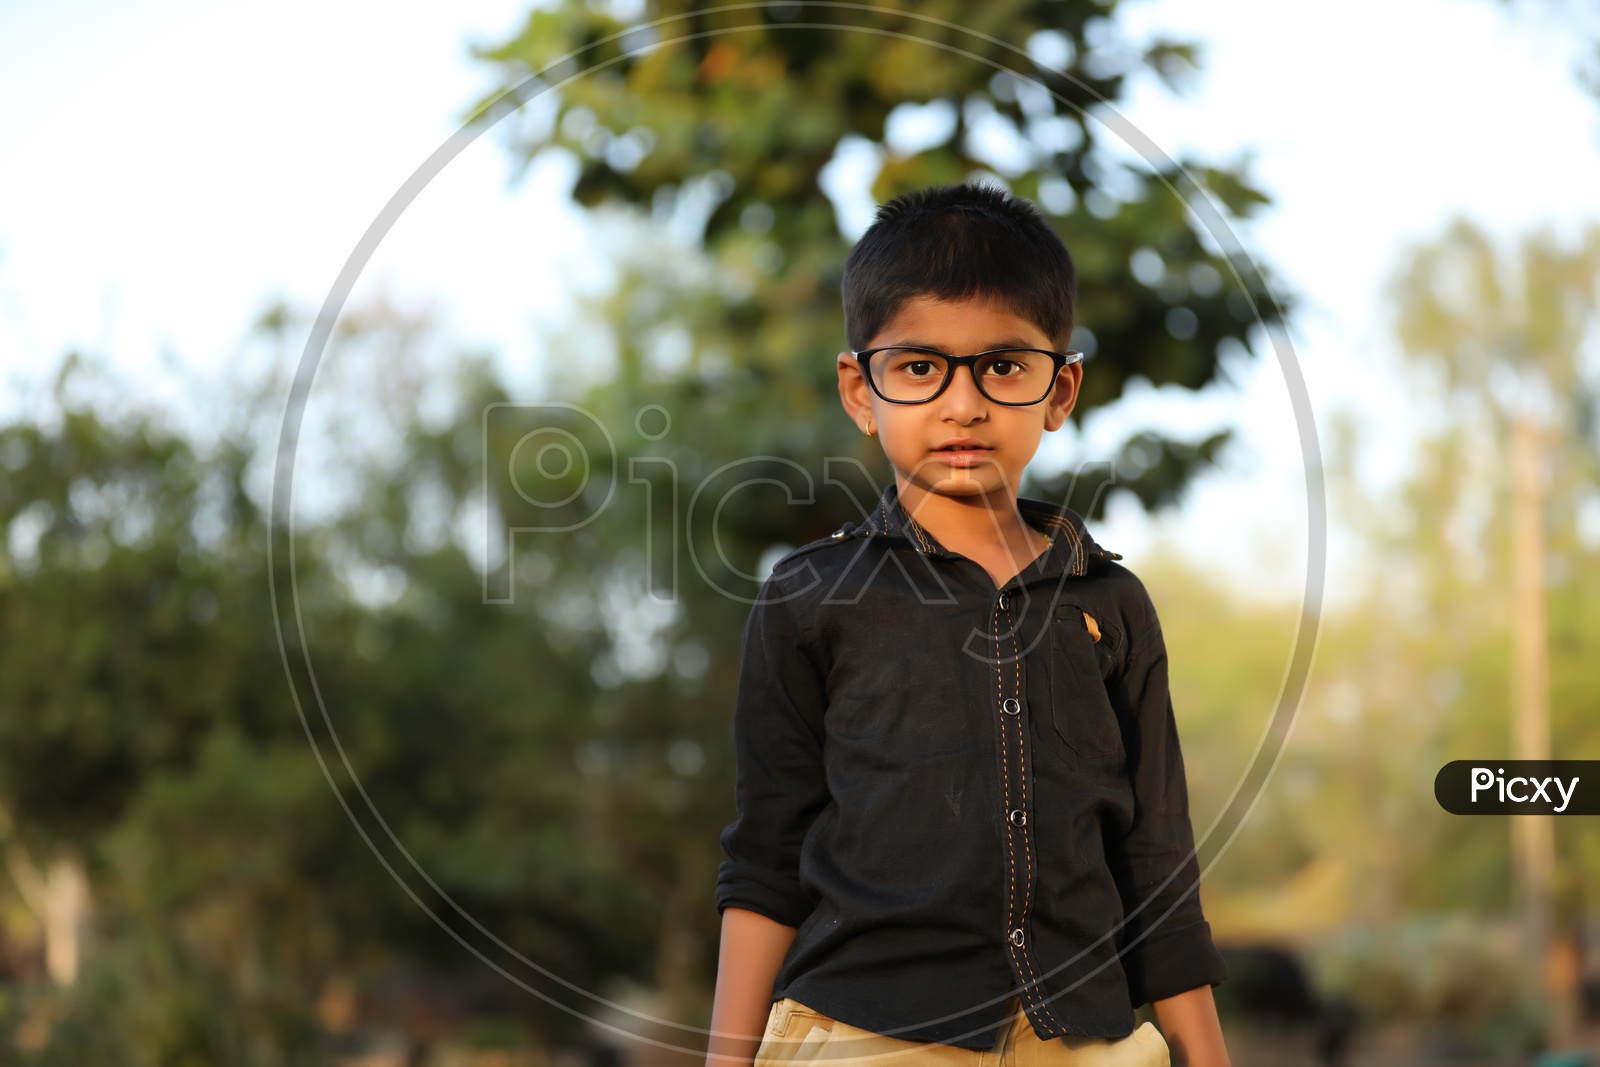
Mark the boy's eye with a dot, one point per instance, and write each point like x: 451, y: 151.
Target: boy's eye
x: 913, y: 364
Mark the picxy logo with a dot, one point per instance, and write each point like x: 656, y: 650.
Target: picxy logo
x: 1518, y: 787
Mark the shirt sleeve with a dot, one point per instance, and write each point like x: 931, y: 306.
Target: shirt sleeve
x: 1166, y: 942
x: 780, y: 784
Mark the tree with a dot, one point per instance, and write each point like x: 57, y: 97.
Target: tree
x: 132, y: 667
x: 1504, y: 336
x: 731, y: 122
x: 150, y: 753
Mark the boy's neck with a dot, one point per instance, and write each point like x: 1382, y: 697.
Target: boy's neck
x: 978, y: 525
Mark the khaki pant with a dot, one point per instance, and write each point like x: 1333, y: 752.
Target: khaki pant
x: 797, y: 1034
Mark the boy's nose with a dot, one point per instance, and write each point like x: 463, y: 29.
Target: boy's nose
x: 961, y: 397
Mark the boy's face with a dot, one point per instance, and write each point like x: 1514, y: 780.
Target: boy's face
x: 1004, y: 437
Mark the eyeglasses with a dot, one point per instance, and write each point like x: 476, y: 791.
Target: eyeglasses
x: 1017, y: 377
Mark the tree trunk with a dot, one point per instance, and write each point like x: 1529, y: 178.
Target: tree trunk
x: 1532, y: 836
x: 59, y: 899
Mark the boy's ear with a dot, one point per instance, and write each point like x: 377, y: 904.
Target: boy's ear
x: 854, y: 393
x: 1063, y: 397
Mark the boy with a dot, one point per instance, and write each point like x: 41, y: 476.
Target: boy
x: 963, y: 833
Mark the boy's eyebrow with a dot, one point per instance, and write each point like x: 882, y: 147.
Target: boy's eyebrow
x: 1014, y: 341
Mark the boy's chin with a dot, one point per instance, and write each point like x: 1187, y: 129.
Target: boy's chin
x: 967, y: 482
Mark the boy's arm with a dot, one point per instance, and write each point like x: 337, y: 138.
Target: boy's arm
x: 753, y: 947
x: 780, y: 787
x: 1189, y: 1023
x: 1167, y: 952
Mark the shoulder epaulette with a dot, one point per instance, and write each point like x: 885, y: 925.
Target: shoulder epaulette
x: 841, y: 534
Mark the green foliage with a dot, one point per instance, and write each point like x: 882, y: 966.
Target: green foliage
x: 548, y: 776
x: 546, y: 772
x: 1494, y: 327
x: 559, y: 763
x: 1447, y: 970
x: 725, y: 121
x: 139, y: 723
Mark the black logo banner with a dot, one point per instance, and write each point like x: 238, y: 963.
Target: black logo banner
x: 1519, y: 787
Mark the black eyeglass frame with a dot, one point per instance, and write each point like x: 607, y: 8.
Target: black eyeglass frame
x: 1061, y: 359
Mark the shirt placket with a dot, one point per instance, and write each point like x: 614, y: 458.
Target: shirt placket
x: 1016, y: 813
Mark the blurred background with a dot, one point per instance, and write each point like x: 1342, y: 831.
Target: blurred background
x: 449, y: 790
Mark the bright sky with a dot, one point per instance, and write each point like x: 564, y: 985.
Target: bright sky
x: 167, y: 167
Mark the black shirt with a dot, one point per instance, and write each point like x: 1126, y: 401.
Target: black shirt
x: 957, y: 793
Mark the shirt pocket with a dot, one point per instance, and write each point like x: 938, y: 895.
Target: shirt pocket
x: 1080, y: 666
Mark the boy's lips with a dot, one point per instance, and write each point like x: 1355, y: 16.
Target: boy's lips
x: 962, y: 452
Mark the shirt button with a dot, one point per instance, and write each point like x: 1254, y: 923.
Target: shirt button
x: 1005, y: 602
x: 1011, y: 706
x: 1019, y: 818
x: 1016, y: 937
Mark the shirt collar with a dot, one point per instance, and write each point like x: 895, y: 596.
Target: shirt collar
x: 1070, y: 543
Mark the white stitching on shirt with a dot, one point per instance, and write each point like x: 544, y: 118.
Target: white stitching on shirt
x: 1027, y: 852
x: 1022, y: 777
x: 1080, y: 563
x: 1024, y: 956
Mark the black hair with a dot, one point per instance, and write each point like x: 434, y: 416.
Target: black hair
x: 957, y: 242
